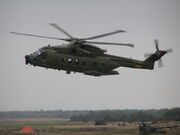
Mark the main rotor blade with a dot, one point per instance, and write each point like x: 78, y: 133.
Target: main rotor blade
x: 62, y: 30
x: 38, y: 36
x: 103, y: 35
x: 108, y: 43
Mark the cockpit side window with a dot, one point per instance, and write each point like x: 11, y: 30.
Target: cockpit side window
x: 69, y: 60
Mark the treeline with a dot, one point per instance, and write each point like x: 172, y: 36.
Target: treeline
x: 130, y: 115
x: 40, y: 114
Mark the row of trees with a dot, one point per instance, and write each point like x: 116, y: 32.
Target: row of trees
x: 40, y: 114
x: 130, y: 115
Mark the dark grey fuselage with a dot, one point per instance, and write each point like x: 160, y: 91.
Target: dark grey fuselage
x: 65, y: 58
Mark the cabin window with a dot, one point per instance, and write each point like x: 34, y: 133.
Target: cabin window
x: 94, y: 64
x: 76, y: 61
x: 84, y: 63
x: 69, y: 60
x: 62, y: 59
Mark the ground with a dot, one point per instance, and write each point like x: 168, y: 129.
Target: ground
x: 52, y: 126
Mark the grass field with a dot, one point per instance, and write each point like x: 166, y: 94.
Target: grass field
x: 44, y: 126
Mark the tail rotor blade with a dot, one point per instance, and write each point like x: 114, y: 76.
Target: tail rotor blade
x: 160, y: 63
x: 156, y: 44
x: 170, y: 50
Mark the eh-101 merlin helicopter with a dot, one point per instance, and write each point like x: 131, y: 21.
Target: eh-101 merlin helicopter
x: 79, y: 55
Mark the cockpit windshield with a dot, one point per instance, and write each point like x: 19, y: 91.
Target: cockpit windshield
x: 38, y: 52
x: 41, y: 53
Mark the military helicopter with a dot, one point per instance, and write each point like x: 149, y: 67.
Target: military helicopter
x: 79, y: 55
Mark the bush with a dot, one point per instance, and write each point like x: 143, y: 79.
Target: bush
x: 100, y: 122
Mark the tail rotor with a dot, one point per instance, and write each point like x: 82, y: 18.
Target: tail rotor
x: 158, y: 54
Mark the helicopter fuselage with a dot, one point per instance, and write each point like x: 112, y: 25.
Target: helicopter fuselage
x: 81, y: 60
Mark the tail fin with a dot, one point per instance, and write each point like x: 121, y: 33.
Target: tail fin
x: 149, y: 62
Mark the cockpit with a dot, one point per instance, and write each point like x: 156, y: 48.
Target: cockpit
x: 36, y: 53
x: 39, y: 55
x: 39, y: 52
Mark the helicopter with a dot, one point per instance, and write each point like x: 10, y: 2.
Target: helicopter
x: 80, y: 55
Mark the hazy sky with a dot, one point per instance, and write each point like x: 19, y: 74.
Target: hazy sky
x: 24, y: 87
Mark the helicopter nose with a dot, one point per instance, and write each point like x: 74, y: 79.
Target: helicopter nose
x: 27, y: 59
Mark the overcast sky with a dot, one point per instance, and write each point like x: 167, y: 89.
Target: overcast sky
x: 24, y: 87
